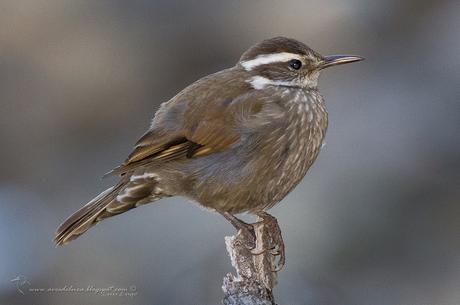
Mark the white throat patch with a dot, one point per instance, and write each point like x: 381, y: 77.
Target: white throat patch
x: 259, y: 82
x: 264, y: 59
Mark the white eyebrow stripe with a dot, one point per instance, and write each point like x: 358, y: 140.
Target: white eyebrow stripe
x: 264, y: 59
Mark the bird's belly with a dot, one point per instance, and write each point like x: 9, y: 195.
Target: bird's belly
x: 239, y: 180
x: 224, y: 181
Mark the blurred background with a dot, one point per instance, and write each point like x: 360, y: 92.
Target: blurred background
x: 376, y: 220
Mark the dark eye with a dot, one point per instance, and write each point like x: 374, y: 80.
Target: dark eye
x: 295, y: 64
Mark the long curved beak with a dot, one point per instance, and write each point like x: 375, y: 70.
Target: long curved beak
x: 334, y: 60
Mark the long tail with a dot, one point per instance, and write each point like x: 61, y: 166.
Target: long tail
x: 124, y: 196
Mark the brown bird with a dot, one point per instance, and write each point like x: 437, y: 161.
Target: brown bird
x: 235, y: 141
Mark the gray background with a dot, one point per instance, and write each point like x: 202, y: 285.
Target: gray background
x: 376, y: 221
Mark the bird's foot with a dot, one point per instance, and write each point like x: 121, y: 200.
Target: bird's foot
x: 275, y: 240
x: 247, y: 229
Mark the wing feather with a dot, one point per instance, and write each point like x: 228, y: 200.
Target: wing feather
x: 200, y: 128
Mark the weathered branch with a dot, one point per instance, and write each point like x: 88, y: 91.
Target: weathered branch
x: 255, y: 277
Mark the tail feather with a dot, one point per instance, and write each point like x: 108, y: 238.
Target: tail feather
x: 124, y: 196
x: 84, y: 218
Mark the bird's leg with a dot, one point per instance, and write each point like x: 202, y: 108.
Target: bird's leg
x: 246, y: 228
x: 276, y: 240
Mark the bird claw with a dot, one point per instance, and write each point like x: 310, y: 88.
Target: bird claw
x: 249, y: 237
x: 281, y: 260
x: 275, y: 240
x: 263, y: 251
x: 276, y: 248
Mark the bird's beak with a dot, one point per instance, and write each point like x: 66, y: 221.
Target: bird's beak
x: 334, y: 60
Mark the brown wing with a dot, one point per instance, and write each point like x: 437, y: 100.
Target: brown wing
x: 199, y: 129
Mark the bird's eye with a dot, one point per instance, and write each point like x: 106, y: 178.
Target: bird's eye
x: 295, y: 64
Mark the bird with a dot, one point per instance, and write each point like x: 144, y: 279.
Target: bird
x: 236, y: 141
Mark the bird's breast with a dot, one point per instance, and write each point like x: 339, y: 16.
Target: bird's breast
x: 290, y: 149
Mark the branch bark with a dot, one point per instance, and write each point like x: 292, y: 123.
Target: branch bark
x: 255, y: 278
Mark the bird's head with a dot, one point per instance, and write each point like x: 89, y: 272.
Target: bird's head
x: 287, y: 62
